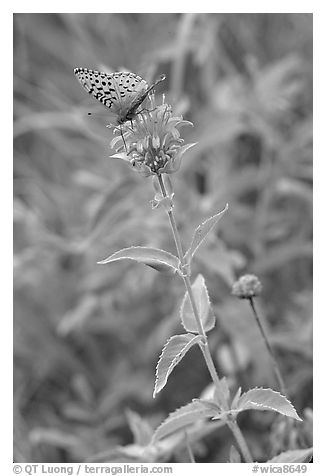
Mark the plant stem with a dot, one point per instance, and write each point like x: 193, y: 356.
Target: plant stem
x: 277, y: 371
x: 232, y: 424
x: 186, y: 279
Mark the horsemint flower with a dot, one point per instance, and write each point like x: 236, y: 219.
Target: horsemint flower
x: 152, y: 144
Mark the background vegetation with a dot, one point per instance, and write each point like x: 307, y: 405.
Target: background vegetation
x: 87, y: 337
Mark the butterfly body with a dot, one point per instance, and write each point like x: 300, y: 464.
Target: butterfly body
x: 121, y: 92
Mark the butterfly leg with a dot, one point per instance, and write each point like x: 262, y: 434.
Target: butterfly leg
x: 146, y: 110
x: 123, y: 139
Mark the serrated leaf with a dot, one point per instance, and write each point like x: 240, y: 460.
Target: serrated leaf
x: 155, y: 258
x: 173, y: 351
x: 293, y: 456
x: 267, y: 399
x: 201, y: 232
x: 183, y: 417
x: 203, y: 307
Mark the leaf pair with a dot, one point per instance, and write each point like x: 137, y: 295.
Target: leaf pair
x: 177, y: 346
x: 162, y: 260
x: 255, y: 399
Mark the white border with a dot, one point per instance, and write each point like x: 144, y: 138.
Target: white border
x: 319, y: 173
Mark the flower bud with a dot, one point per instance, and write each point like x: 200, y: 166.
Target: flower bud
x: 247, y: 287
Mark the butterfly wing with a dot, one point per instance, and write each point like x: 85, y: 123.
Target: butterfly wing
x: 120, y: 91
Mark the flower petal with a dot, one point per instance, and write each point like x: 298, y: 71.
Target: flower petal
x: 122, y: 156
x: 184, y: 123
x: 142, y: 168
x: 184, y: 148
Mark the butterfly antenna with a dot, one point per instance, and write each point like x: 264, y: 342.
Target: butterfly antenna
x: 159, y: 80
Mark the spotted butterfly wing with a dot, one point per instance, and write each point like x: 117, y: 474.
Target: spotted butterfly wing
x: 121, y: 92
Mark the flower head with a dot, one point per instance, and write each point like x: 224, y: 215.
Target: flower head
x: 247, y: 287
x: 152, y: 143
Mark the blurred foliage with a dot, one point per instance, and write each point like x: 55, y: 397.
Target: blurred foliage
x: 87, y: 337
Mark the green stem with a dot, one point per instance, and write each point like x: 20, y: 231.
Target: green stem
x: 277, y: 371
x: 186, y: 280
x: 232, y: 424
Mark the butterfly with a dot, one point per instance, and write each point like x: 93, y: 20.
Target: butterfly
x: 121, y: 92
